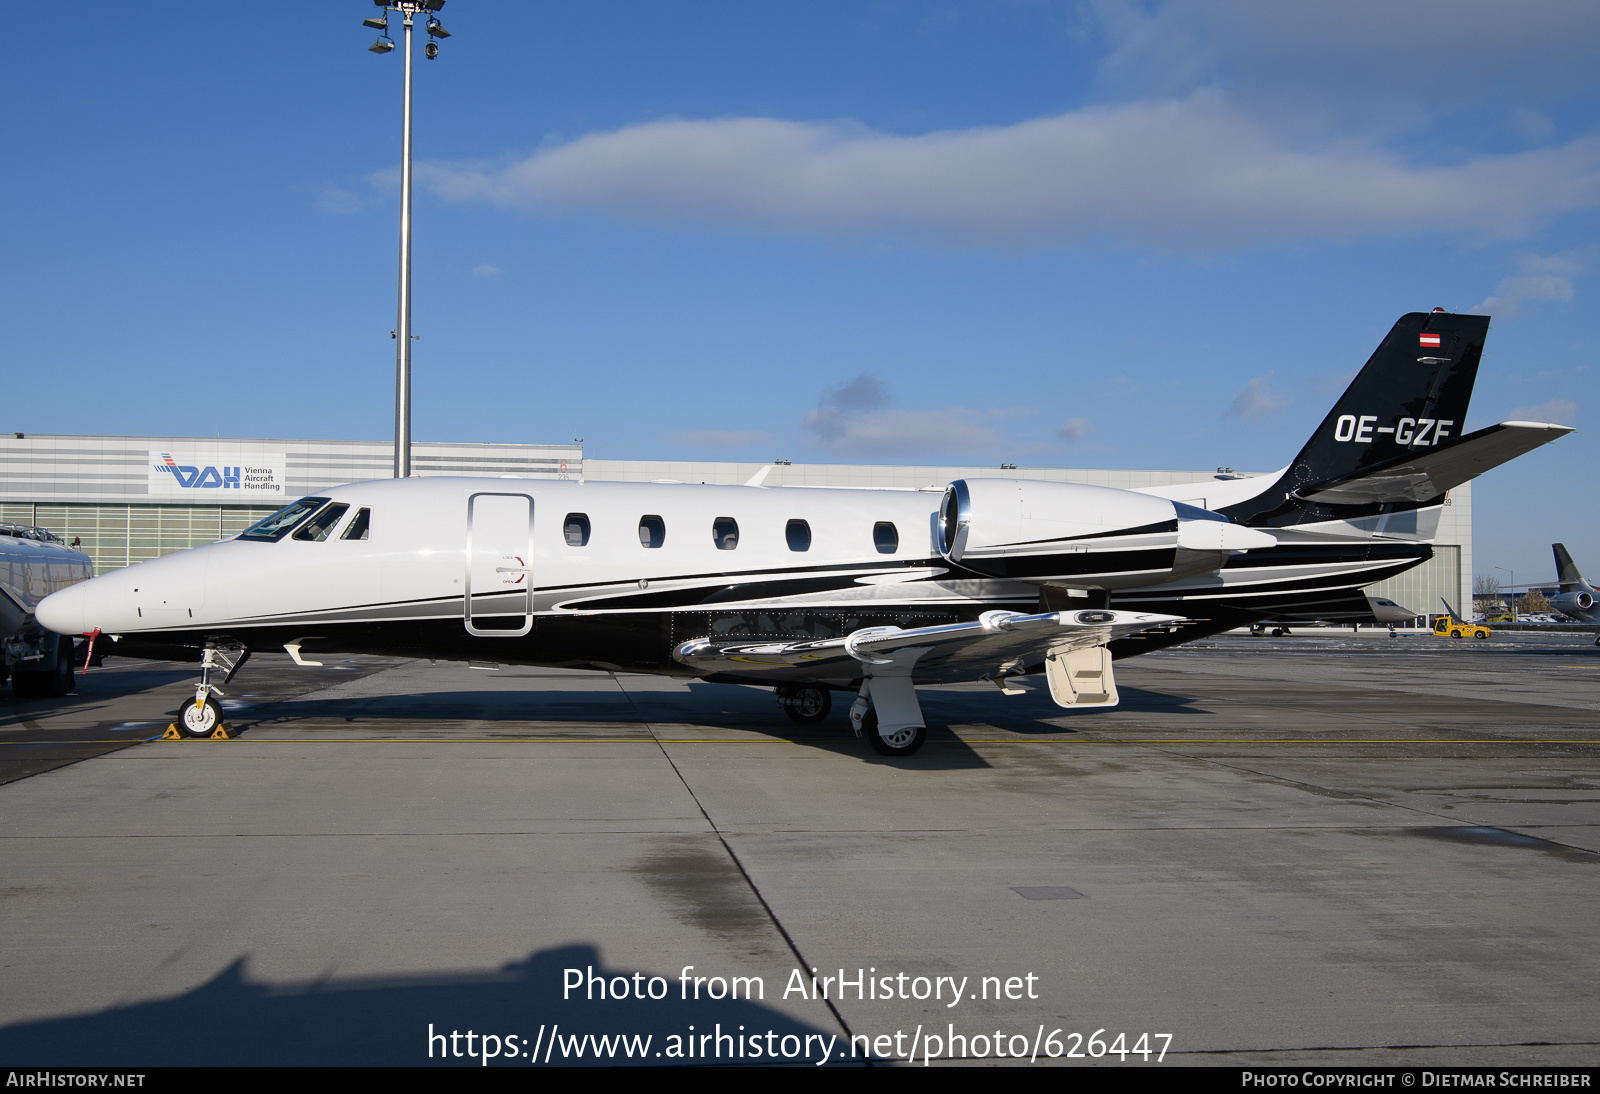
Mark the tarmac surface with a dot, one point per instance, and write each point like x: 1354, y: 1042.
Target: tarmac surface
x: 1308, y: 850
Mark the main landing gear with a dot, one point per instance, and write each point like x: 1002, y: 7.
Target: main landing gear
x: 201, y: 716
x: 806, y: 704
x: 886, y: 712
x: 888, y: 715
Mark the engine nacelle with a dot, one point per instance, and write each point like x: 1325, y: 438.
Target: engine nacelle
x: 1094, y: 536
x: 1572, y: 603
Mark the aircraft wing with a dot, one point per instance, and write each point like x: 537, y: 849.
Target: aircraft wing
x: 1425, y: 474
x: 996, y: 645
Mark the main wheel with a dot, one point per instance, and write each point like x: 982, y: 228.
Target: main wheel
x: 195, y: 722
x: 902, y: 742
x: 807, y: 704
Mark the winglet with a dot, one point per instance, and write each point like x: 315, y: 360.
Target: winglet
x: 759, y: 476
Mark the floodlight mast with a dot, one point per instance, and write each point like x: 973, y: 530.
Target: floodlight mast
x: 407, y: 10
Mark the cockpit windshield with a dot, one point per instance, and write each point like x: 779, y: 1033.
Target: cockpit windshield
x: 280, y: 523
x: 317, y: 528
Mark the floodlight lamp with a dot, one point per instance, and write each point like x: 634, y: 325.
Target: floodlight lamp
x: 376, y: 24
x: 382, y: 45
x: 431, y: 50
x: 436, y: 28
x: 432, y: 5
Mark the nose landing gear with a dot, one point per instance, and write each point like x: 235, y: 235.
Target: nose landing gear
x: 200, y: 716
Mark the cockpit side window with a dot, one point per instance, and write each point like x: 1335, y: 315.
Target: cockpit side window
x: 359, y: 525
x: 317, y: 528
x: 652, y: 531
x: 885, y: 537
x: 277, y: 526
x: 576, y: 529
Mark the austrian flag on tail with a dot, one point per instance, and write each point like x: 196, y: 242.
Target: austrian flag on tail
x: 1428, y: 341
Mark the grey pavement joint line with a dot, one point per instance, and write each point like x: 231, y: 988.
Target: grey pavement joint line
x: 738, y: 865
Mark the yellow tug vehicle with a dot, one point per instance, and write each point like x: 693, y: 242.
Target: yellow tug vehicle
x: 1453, y: 626
x: 1445, y: 627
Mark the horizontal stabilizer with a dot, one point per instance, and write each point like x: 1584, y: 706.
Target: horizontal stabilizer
x: 1424, y: 475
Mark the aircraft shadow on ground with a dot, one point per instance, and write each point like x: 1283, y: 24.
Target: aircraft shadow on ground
x: 233, y: 1020
x: 706, y: 706
x: 96, y: 686
x: 1036, y: 714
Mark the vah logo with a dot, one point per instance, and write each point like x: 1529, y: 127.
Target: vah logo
x: 199, y: 478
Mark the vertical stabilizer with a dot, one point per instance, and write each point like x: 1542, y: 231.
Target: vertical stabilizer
x: 1567, y: 570
x: 1411, y: 395
x: 1409, y: 398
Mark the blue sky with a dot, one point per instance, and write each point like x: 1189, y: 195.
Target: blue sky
x: 1093, y: 234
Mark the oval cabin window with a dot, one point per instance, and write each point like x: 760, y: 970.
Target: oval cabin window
x: 725, y: 533
x: 885, y: 538
x: 576, y: 529
x: 798, y: 533
x: 652, y: 531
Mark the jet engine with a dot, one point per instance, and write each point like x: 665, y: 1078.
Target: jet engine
x: 1572, y: 603
x: 1094, y: 536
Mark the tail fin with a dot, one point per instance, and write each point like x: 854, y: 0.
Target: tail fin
x: 1454, y: 615
x: 1567, y: 570
x: 1412, y: 394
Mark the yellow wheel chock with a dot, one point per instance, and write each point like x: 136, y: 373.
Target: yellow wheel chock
x: 219, y: 734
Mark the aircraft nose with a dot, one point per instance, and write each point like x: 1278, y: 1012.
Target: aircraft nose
x: 62, y: 612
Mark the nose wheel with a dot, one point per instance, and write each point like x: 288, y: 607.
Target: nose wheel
x: 196, y: 719
x: 201, y: 716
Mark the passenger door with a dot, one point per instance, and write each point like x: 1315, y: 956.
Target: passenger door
x: 498, y: 601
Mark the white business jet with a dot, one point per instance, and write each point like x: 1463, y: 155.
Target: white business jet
x: 809, y: 591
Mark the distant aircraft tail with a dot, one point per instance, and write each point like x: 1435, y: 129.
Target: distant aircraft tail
x: 1567, y: 570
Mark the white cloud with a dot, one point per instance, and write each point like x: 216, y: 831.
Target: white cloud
x: 841, y: 403
x: 1559, y: 411
x: 906, y: 433
x: 1373, y: 58
x: 1192, y: 173
x: 335, y: 200
x: 1541, y: 279
x: 719, y: 438
x: 853, y: 418
x: 1074, y: 430
x: 1257, y: 400
x: 486, y: 270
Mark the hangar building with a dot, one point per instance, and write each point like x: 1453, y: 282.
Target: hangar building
x: 126, y: 499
